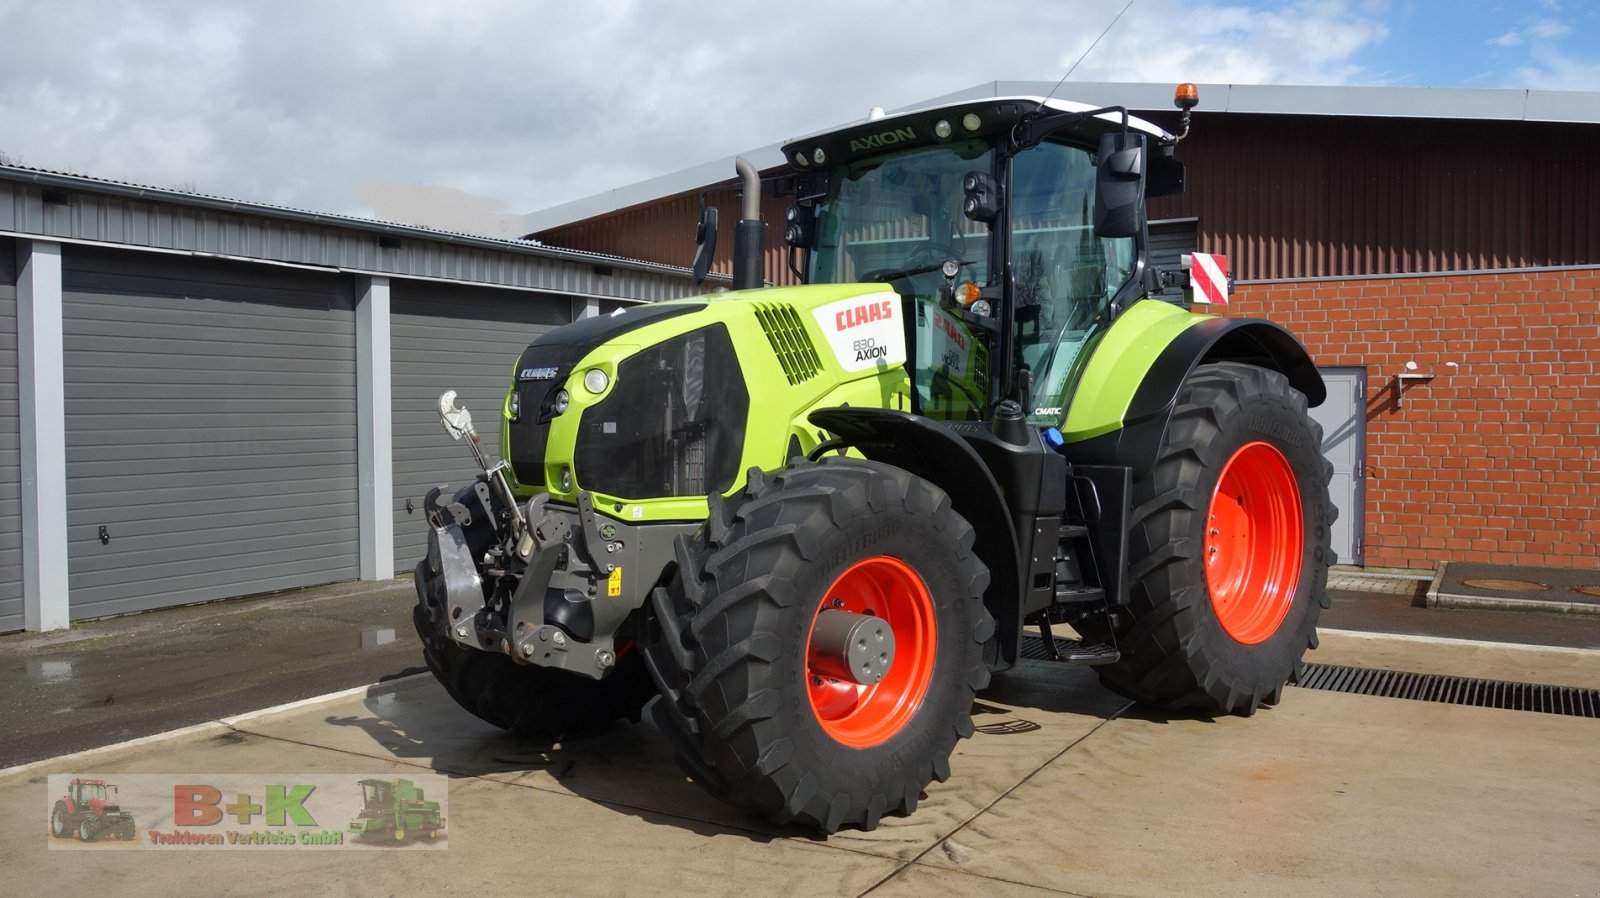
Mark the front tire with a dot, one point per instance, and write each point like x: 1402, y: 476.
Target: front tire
x: 1228, y: 548
x: 759, y: 712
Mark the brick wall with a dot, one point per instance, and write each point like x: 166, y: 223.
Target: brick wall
x: 1495, y: 461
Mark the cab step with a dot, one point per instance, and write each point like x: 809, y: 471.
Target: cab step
x: 1071, y: 595
x: 1068, y: 651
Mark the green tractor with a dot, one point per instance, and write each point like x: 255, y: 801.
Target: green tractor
x: 810, y: 522
x: 394, y: 810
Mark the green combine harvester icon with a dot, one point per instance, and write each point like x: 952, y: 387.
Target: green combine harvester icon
x: 394, y: 810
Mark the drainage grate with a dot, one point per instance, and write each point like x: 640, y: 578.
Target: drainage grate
x: 1569, y: 701
x: 1566, y: 700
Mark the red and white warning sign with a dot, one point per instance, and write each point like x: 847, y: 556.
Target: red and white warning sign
x: 1208, y: 272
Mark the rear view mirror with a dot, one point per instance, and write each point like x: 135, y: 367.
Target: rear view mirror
x: 1119, y: 185
x: 705, y: 241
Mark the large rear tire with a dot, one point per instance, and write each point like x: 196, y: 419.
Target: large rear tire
x: 1228, y: 548
x: 760, y: 714
x: 529, y: 700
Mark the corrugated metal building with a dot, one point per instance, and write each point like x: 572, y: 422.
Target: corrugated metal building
x: 202, y: 398
x: 1455, y: 229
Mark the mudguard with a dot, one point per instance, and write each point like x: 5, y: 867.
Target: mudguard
x: 1186, y: 342
x: 937, y: 454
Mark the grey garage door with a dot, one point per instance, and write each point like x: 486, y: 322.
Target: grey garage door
x: 211, y: 429
x: 10, y: 464
x: 1343, y: 417
x: 451, y: 338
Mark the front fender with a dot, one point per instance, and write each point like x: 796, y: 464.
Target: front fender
x: 933, y: 452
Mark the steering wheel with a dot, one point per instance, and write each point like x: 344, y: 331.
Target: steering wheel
x: 925, y: 258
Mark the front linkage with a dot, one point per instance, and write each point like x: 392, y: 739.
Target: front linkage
x: 546, y: 585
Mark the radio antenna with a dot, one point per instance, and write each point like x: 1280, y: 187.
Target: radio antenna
x: 1085, y: 55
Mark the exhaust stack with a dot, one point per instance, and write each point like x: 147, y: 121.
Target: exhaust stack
x: 750, y: 234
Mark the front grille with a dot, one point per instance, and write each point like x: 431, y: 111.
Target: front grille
x: 790, y: 342
x: 673, y: 425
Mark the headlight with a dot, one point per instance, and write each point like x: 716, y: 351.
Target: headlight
x: 516, y: 405
x: 559, y: 404
x: 595, y: 381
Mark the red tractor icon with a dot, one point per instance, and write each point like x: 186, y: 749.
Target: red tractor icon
x: 88, y: 811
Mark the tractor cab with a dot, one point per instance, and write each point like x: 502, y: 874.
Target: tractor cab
x: 86, y: 792
x: 376, y: 795
x: 993, y: 221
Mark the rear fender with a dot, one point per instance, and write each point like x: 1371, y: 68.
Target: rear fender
x: 931, y: 451
x: 1208, y: 339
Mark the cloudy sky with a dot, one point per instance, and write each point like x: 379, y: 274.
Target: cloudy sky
x: 492, y: 107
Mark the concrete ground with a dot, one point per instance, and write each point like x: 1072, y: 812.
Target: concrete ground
x: 1064, y: 790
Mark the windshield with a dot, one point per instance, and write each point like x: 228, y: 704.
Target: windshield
x: 901, y: 211
x: 1065, y: 275
x: 91, y: 792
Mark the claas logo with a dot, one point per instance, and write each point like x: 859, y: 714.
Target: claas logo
x: 201, y: 805
x: 864, y: 314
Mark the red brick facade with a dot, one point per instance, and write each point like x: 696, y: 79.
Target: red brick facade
x: 1495, y: 461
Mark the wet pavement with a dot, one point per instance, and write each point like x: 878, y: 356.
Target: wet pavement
x: 108, y: 681
x: 1065, y: 789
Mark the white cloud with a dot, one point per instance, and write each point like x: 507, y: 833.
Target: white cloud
x: 1509, y: 39
x: 535, y: 103
x: 1549, y: 29
x: 1557, y: 71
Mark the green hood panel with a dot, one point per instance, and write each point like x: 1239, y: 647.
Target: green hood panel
x: 798, y: 349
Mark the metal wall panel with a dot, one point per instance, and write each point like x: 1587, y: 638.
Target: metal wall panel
x: 451, y: 338
x: 211, y: 429
x: 255, y: 233
x: 10, y: 447
x: 1296, y: 196
x: 663, y: 231
x: 1289, y: 196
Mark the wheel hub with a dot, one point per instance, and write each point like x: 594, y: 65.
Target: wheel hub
x: 870, y: 653
x: 858, y: 647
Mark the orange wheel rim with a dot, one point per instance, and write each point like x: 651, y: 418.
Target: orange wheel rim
x: 862, y: 716
x: 1255, y: 537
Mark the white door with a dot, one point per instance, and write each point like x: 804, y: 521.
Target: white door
x: 1343, y: 416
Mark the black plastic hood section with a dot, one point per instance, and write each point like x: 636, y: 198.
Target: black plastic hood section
x: 591, y: 332
x: 543, y: 368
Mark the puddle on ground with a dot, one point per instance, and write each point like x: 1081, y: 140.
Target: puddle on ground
x: 50, y: 671
x: 372, y: 637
